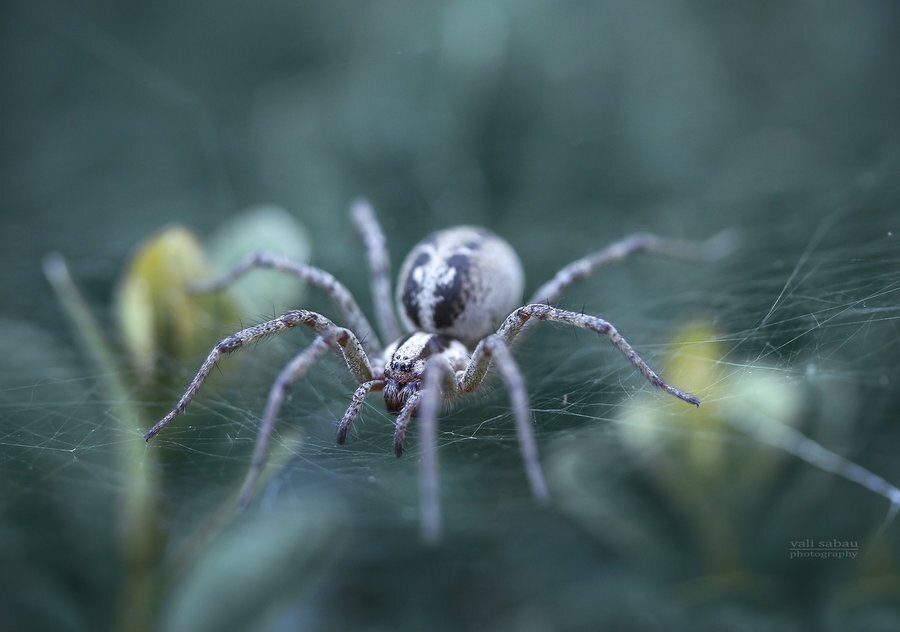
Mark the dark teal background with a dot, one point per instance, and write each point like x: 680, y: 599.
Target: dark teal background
x: 561, y: 126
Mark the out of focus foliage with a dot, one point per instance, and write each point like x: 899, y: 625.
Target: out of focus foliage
x: 157, y: 317
x: 160, y: 318
x: 722, y: 477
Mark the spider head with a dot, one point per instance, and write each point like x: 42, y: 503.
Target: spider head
x: 406, y: 364
x: 396, y: 394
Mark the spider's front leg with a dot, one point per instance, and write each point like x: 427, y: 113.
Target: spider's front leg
x: 355, y: 406
x: 438, y: 374
x: 515, y: 323
x: 447, y: 386
x: 496, y: 348
x: 438, y: 383
x: 349, y: 346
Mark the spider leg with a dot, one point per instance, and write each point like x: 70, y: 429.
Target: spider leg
x: 512, y: 377
x: 711, y: 249
x: 349, y: 346
x: 355, y: 405
x: 380, y: 265
x: 449, y: 387
x: 336, y: 291
x: 515, y: 323
x: 437, y: 374
x: 293, y: 371
x: 402, y: 422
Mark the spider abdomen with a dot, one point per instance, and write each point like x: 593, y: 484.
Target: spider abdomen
x: 460, y: 282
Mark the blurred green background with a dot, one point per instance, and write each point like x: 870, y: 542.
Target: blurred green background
x: 561, y: 126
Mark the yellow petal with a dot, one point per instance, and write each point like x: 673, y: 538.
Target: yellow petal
x: 156, y: 315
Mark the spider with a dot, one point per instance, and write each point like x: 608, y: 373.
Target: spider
x: 459, y: 298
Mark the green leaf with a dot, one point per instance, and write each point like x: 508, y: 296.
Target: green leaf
x: 253, y: 568
x: 262, y: 228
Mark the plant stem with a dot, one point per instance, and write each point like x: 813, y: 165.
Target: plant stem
x: 140, y: 535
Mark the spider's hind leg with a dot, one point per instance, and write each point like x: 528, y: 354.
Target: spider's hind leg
x: 380, y: 265
x: 713, y: 248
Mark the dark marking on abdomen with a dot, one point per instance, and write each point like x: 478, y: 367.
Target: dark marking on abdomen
x: 450, y: 298
x: 412, y: 289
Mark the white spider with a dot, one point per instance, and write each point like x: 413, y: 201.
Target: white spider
x: 459, y: 295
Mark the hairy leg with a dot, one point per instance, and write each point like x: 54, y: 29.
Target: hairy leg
x: 355, y: 405
x: 516, y: 322
x: 349, y: 346
x: 293, y: 371
x: 380, y: 265
x: 708, y: 250
x: 448, y: 384
x: 495, y: 347
x: 437, y: 375
x: 339, y: 295
x: 402, y: 422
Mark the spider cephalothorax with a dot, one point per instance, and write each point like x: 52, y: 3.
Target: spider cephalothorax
x: 459, y: 297
x: 406, y: 361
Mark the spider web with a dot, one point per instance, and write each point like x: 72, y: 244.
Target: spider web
x: 808, y: 300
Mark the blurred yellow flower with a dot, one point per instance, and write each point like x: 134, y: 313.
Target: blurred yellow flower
x: 156, y: 315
